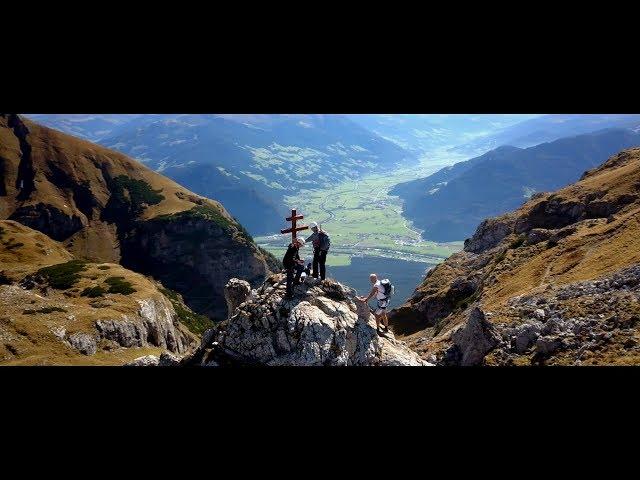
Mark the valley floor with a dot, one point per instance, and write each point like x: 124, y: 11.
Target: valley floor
x: 364, y: 220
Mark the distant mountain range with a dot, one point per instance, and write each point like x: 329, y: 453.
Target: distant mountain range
x: 420, y: 133
x: 248, y: 162
x: 93, y: 127
x: 547, y: 128
x: 449, y: 204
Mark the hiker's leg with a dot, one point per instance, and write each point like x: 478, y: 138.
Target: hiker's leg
x: 289, y: 281
x: 322, y: 259
x: 315, y: 264
x: 299, y: 270
x: 385, y: 320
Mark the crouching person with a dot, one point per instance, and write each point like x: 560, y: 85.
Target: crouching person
x: 293, y: 265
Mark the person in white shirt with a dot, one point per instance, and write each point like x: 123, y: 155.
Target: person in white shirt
x: 380, y: 313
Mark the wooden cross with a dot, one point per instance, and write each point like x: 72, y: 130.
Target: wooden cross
x: 293, y: 218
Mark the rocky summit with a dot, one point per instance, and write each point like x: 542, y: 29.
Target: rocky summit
x: 555, y: 282
x: 324, y: 324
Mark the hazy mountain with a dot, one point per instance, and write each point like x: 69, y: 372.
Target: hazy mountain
x: 93, y: 127
x: 423, y: 132
x: 548, y: 128
x: 252, y: 162
x: 451, y: 203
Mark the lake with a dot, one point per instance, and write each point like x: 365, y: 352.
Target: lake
x: 404, y: 275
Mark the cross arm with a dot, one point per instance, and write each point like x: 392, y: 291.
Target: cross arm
x: 297, y: 229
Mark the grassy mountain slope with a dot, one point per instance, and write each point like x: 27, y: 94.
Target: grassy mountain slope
x: 554, y: 282
x: 56, y: 309
x: 104, y: 206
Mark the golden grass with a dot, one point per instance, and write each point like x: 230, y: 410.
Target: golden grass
x: 596, y: 249
x: 28, y: 338
x: 588, y: 254
x: 37, y: 250
x: 31, y: 335
x: 53, y: 357
x: 84, y: 161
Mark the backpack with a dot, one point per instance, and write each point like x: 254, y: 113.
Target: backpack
x: 323, y: 241
x: 389, y: 289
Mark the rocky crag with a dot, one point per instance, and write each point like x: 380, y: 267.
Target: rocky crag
x: 554, y: 282
x: 323, y: 325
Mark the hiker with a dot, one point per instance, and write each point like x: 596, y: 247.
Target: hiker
x: 321, y: 244
x: 382, y: 297
x: 293, y: 264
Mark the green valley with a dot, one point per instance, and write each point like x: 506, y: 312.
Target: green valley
x: 363, y: 219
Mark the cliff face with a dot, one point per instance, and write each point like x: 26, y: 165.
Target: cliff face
x: 554, y: 282
x: 58, y: 310
x: 194, y: 256
x: 322, y: 325
x: 105, y: 207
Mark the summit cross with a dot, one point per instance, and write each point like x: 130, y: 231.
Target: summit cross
x: 293, y: 219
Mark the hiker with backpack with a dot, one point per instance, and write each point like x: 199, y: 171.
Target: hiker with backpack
x: 321, y: 244
x: 382, y: 289
x: 293, y: 265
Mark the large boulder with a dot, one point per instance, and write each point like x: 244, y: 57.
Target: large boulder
x: 155, y: 325
x: 84, y: 343
x: 236, y: 292
x: 474, y: 339
x: 145, y: 361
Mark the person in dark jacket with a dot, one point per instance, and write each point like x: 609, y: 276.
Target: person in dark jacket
x: 321, y: 244
x: 293, y: 265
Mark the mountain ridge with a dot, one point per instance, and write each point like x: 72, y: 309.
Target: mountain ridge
x: 104, y: 206
x: 251, y: 163
x: 449, y: 204
x: 548, y: 128
x: 553, y: 282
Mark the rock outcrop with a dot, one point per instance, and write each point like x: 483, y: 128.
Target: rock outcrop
x: 236, y: 292
x: 554, y: 282
x: 154, y: 325
x: 582, y: 322
x: 472, y: 341
x: 324, y: 324
x: 144, y: 361
x: 165, y: 360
